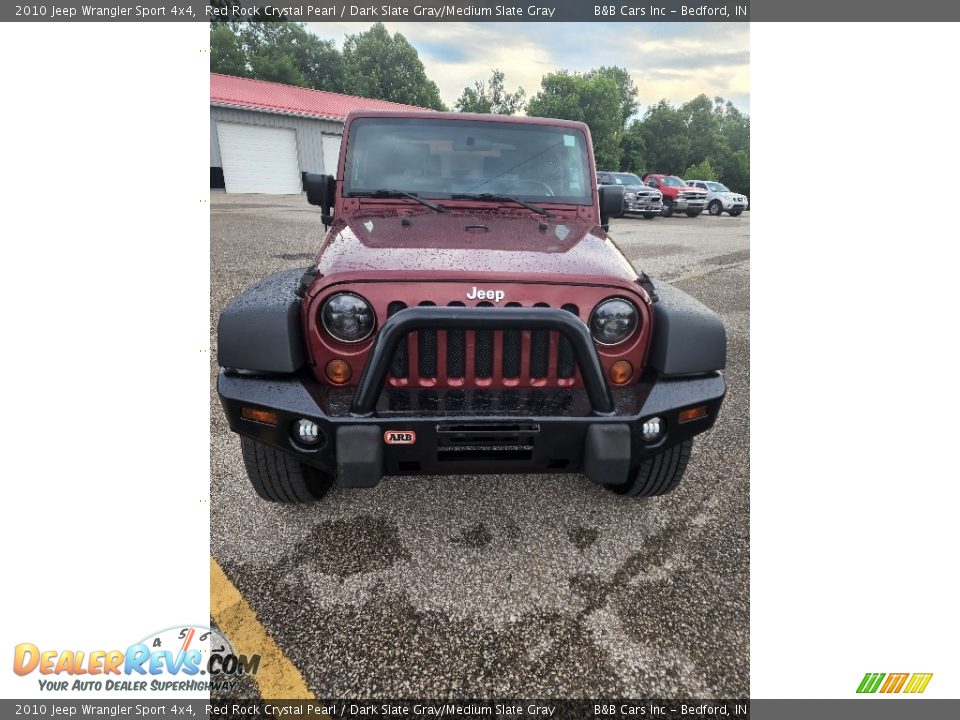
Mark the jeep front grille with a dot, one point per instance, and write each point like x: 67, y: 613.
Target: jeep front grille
x: 452, y: 358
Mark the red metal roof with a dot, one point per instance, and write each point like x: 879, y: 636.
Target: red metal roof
x: 230, y: 91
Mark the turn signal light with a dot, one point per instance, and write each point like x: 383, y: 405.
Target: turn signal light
x: 338, y: 371
x: 266, y: 417
x: 692, y: 414
x: 620, y: 372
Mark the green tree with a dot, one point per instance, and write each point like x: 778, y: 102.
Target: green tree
x: 387, y: 67
x: 625, y: 86
x: 733, y: 160
x: 663, y: 132
x: 703, y: 129
x: 710, y: 138
x: 591, y: 98
x: 701, y: 171
x: 491, y: 97
x: 634, y: 150
x: 282, y: 52
x: 227, y: 53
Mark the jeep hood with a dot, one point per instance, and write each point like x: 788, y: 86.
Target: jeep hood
x: 471, y: 243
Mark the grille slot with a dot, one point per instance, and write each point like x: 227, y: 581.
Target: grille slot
x: 427, y: 348
x: 398, y: 367
x: 566, y: 365
x: 512, y: 343
x: 456, y: 350
x: 483, y: 353
x: 539, y: 351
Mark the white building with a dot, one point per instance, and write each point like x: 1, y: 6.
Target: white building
x: 264, y: 136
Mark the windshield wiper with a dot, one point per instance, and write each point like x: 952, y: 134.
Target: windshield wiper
x: 502, y: 198
x: 399, y: 194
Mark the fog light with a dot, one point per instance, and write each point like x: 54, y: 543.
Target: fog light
x: 338, y: 371
x: 620, y: 372
x: 652, y: 429
x: 306, y: 432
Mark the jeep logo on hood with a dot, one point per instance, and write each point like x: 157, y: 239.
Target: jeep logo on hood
x: 478, y: 294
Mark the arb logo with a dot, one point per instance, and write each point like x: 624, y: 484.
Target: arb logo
x: 894, y: 682
x: 399, y: 437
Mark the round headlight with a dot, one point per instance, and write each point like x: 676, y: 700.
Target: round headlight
x: 348, y: 317
x: 613, y: 321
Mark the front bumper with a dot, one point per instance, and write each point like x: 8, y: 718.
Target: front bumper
x: 516, y: 430
x: 733, y: 205
x: 376, y: 429
x: 643, y: 205
x: 685, y: 204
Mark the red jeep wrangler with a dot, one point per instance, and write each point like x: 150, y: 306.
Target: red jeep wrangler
x: 466, y: 313
x: 677, y: 195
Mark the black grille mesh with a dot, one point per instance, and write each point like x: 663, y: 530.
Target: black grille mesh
x: 399, y: 365
x: 566, y: 366
x: 539, y: 351
x: 456, y: 350
x: 427, y: 348
x: 511, y: 350
x: 483, y: 350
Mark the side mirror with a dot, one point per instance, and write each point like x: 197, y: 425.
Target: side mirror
x: 611, y: 203
x: 322, y: 191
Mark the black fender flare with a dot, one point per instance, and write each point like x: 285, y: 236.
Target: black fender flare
x: 688, y: 337
x: 260, y: 331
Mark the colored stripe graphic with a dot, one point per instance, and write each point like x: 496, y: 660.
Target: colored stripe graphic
x: 894, y: 682
x: 915, y: 683
x: 918, y: 682
x: 870, y: 682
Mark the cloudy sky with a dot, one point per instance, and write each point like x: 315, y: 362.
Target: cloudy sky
x: 676, y: 61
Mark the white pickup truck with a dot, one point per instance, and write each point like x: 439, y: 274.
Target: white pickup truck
x: 720, y: 199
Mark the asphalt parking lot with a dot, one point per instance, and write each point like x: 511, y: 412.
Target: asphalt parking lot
x: 500, y: 586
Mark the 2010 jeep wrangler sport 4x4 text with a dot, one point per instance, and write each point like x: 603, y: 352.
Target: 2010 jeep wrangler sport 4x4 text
x: 466, y: 313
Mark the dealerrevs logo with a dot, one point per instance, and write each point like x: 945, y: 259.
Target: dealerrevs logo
x: 185, y: 658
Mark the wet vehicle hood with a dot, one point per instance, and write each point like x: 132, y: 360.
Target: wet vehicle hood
x: 474, y: 243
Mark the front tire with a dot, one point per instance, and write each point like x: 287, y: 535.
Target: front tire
x: 736, y: 213
x: 715, y: 208
x: 278, y: 477
x: 649, y: 216
x: 657, y: 474
x: 693, y: 213
x: 667, y: 208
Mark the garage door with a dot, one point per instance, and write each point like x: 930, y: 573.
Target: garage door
x: 259, y: 159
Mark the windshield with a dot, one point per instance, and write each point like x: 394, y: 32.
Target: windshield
x: 440, y: 158
x: 717, y: 187
x: 626, y: 179
x: 673, y: 181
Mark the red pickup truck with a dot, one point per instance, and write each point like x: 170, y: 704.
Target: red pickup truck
x: 677, y: 195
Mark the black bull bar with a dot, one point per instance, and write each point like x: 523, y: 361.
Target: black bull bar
x: 396, y: 329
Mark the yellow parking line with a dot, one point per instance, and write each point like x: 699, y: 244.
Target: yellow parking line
x: 278, y: 678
